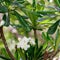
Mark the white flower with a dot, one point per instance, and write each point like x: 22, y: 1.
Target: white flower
x: 25, y: 42
x: 51, y: 0
x: 23, y: 45
x: 25, y: 39
x: 1, y: 23
x: 32, y: 42
x: 26, y: 46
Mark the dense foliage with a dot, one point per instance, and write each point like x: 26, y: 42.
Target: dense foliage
x: 21, y: 17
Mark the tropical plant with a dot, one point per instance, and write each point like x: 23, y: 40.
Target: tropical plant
x: 35, y: 16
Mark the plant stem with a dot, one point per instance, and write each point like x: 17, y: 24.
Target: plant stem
x: 5, y: 44
x: 35, y: 34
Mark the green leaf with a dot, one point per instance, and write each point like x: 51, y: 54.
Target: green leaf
x: 53, y: 28
x: 3, y: 9
x: 22, y: 54
x: 21, y: 1
x: 4, y: 52
x: 40, y: 6
x: 23, y: 22
x: 45, y: 46
x: 17, y: 54
x: 34, y: 4
x: 46, y: 12
x: 44, y: 36
x: 5, y: 58
x: 30, y: 52
x: 28, y: 5
x: 39, y: 50
x: 8, y: 2
x: 1, y: 1
x: 17, y: 4
x: 33, y: 17
x: 57, y: 40
x: 57, y: 2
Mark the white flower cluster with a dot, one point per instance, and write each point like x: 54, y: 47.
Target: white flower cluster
x: 1, y: 23
x: 25, y: 42
x: 51, y: 0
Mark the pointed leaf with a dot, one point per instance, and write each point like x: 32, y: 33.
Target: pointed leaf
x: 53, y: 28
x: 23, y: 22
x: 3, y: 9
